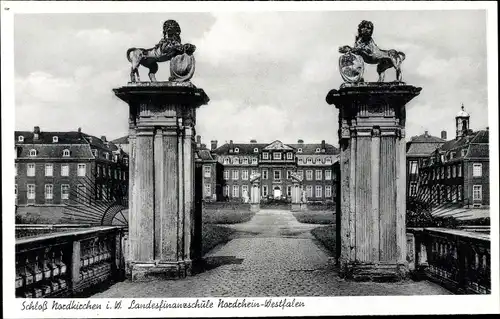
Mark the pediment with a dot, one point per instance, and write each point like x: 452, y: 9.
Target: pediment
x: 278, y: 145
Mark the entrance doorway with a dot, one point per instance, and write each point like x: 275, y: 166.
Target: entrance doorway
x: 277, y: 192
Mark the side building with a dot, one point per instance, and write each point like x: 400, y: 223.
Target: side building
x: 57, y: 170
x: 456, y: 175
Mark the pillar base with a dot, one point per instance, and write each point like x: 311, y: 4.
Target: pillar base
x: 254, y: 207
x: 146, y: 271
x: 374, y: 272
x: 298, y: 207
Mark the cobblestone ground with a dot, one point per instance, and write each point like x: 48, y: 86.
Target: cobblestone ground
x: 273, y: 255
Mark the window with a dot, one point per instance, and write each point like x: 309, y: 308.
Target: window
x: 477, y: 170
x: 277, y: 174
x: 277, y: 156
x: 300, y: 160
x: 328, y: 175
x: 442, y: 172
x: 49, y: 170
x: 265, y: 155
x: 253, y: 172
x: 309, y: 175
x: 328, y: 161
x: 226, y: 160
x: 64, y: 170
x: 207, y: 171
x: 448, y: 172
x: 289, y: 190
x: 413, y: 189
x: 244, y: 190
x: 20, y: 138
x: 31, y: 191
x: 55, y: 139
x: 448, y: 193
x: 413, y: 167
x: 245, y: 161
x: 319, y: 191
x: 264, y: 174
x: 319, y: 175
x: 264, y: 190
x: 65, y: 153
x: 236, y: 150
x: 309, y: 191
x: 460, y: 192
x: 464, y: 152
x: 49, y: 191
x: 106, y: 156
x: 289, y: 155
x: 30, y: 170
x: 244, y: 174
x: 459, y: 170
x: 288, y: 174
x: 81, y: 191
x: 254, y: 160
x: 226, y: 175
x: 94, y: 152
x: 299, y: 150
x: 256, y: 150
x: 328, y: 191
x: 64, y: 191
x: 236, y: 161
x: 477, y: 192
x: 452, y: 155
x: 208, y: 190
x: 32, y: 152
x: 236, y: 175
x: 301, y: 173
x: 309, y: 160
x: 454, y: 171
x: 236, y: 191
x: 98, y: 170
x: 82, y: 169
x: 225, y: 190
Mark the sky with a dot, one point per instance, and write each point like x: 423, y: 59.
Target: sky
x: 266, y: 73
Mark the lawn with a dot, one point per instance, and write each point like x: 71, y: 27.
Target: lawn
x: 225, y: 215
x: 324, y: 217
x: 214, y: 235
x: 326, y: 235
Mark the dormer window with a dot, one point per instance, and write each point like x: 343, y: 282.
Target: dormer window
x: 309, y: 160
x: 66, y: 153
x: 256, y: 150
x: 277, y: 156
x: 299, y: 150
x: 20, y: 138
x: 245, y: 160
x: 236, y: 160
x: 254, y: 160
x: 464, y: 152
x: 33, y: 153
x: 226, y: 160
x: 94, y: 152
x: 328, y: 160
x: 318, y: 150
x: 55, y: 139
x: 236, y: 150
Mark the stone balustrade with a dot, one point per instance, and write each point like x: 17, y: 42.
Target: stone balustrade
x: 66, y: 264
x: 456, y: 259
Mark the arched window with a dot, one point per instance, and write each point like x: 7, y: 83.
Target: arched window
x: 66, y: 153
x: 256, y: 150
x: 245, y: 160
x: 299, y: 150
x: 55, y: 139
x: 226, y: 160
x: 32, y: 152
x: 20, y: 138
x: 236, y: 160
x: 328, y: 160
x: 236, y: 150
x: 318, y: 150
x: 309, y: 160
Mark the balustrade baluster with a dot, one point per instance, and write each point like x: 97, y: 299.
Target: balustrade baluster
x: 52, y: 264
x: 60, y: 263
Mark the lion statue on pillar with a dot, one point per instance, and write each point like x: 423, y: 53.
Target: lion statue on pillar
x: 351, y: 66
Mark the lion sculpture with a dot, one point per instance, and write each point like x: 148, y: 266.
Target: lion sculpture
x: 168, y: 49
x: 365, y: 47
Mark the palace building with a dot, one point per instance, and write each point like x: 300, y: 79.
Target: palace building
x: 457, y: 172
x: 58, y: 168
x: 227, y: 169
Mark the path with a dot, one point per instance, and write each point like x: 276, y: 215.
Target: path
x: 273, y: 255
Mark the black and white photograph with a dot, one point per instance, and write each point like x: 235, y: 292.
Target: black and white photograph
x: 193, y: 159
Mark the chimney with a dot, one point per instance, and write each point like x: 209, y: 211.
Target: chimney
x: 426, y: 133
x: 253, y: 141
x: 300, y: 141
x: 323, y: 144
x: 213, y: 144
x: 79, y: 130
x: 443, y: 135
x: 103, y: 138
x: 198, y: 139
x: 231, y: 145
x: 36, y: 132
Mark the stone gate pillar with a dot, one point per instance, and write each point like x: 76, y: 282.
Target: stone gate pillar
x: 161, y: 176
x: 297, y: 204
x: 255, y: 193
x: 372, y: 178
